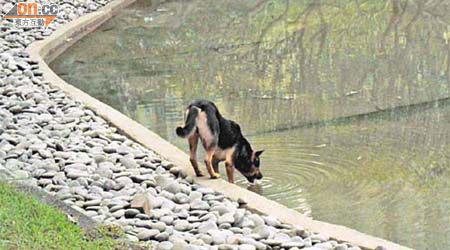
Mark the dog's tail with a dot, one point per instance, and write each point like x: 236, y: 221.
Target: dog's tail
x: 190, y: 124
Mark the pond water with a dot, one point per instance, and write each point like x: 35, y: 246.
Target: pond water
x: 348, y: 98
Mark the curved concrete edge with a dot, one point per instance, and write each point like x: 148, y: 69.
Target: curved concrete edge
x: 85, y: 222
x: 48, y: 49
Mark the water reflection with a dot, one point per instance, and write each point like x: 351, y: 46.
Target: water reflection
x: 358, y: 79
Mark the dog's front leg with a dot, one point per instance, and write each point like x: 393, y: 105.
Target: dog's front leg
x: 230, y: 172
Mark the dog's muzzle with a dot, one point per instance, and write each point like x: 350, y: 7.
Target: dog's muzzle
x: 252, y: 178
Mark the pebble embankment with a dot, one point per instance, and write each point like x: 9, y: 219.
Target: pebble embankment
x: 55, y: 143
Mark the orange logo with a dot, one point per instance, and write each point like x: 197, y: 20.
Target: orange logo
x: 32, y: 14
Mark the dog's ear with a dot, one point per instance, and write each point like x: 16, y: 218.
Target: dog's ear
x: 258, y: 153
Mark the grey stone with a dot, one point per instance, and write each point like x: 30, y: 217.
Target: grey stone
x: 300, y: 231
x: 124, y: 181
x: 164, y: 236
x: 21, y: 174
x: 272, y: 221
x: 167, y: 204
x: 146, y: 234
x: 207, y: 239
x: 144, y: 223
x: 116, y: 207
x: 180, y: 244
x: 104, y: 169
x: 257, y: 220
x: 272, y: 242
x: 167, y: 165
x: 226, y: 218
x: 219, y: 236
x: 131, y: 213
x: 90, y: 213
x: 83, y: 181
x: 344, y: 247
x: 38, y: 146
x: 159, y: 226
x: 109, y: 185
x: 140, y: 178
x: 44, y: 182
x: 128, y: 161
x: 74, y: 174
x: 167, y: 245
x: 181, y: 198
x: 228, y: 247
x: 247, y: 247
x: 247, y: 223
x: 257, y: 244
x: 90, y: 203
x: 292, y: 244
x: 132, y: 238
x: 143, y: 202
x: 281, y: 237
x: 199, y: 205
x: 143, y: 217
x: 324, y: 245
x: 262, y: 230
x: 45, y: 153
x: 172, y: 187
x: 7, y: 7
x: 168, y: 220
x: 239, y: 215
x: 207, y: 226
x: 221, y: 208
x: 182, y: 225
x: 162, y: 180
x: 158, y: 213
x: 119, y: 213
x: 320, y: 237
x: 308, y: 242
x: 63, y: 155
x: 110, y: 149
x: 195, y: 195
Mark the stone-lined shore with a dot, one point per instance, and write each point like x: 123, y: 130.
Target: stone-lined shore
x: 53, y: 142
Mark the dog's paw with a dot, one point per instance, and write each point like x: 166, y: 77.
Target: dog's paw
x: 215, y: 176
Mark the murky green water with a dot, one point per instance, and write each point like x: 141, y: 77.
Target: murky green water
x: 298, y: 76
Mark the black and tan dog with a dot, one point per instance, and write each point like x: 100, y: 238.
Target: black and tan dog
x: 222, y: 140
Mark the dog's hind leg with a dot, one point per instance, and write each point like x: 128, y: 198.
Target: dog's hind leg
x: 193, y: 142
x: 209, y: 164
x: 215, y: 164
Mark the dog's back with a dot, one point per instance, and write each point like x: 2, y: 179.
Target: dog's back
x: 210, y: 124
x: 203, y: 118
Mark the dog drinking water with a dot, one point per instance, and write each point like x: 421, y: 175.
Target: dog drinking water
x: 222, y: 140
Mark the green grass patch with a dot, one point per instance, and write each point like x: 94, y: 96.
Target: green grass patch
x: 26, y: 223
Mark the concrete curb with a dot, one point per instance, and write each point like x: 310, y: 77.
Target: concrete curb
x: 45, y: 51
x: 82, y: 220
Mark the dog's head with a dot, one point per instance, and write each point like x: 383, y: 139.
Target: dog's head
x: 253, y: 172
